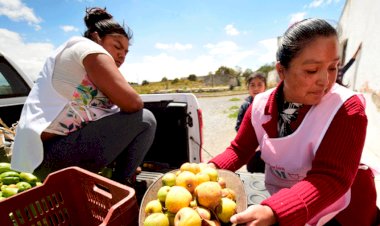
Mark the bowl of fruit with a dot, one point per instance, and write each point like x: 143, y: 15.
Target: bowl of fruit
x: 194, y: 194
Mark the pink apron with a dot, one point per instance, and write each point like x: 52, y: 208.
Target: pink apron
x: 289, y: 158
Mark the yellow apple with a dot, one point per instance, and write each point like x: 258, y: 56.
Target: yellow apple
x: 177, y: 198
x: 225, y: 210
x: 156, y: 219
x: 202, y: 165
x: 212, y: 173
x: 222, y: 182
x: 202, y: 177
x: 168, y: 179
x: 185, y: 167
x: 229, y: 193
x: 187, y: 217
x: 153, y: 206
x: 210, y: 223
x: 162, y: 192
x: 187, y: 180
x: 194, y: 168
x: 203, y: 212
x: 208, y: 194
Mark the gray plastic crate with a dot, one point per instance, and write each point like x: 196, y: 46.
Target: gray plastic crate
x: 254, y: 187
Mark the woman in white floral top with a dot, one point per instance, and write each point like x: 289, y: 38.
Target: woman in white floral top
x: 82, y: 111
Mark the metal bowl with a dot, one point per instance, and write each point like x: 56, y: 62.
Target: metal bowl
x: 232, y: 181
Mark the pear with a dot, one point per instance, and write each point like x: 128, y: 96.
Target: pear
x: 187, y: 217
x: 208, y: 194
x: 153, y: 206
x: 187, y: 180
x: 225, y: 210
x: 168, y: 179
x: 156, y: 219
x: 177, y: 198
x: 162, y: 193
x: 212, y: 173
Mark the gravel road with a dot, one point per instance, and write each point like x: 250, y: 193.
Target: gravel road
x: 218, y: 128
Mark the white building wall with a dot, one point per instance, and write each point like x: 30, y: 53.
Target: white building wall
x: 360, y: 22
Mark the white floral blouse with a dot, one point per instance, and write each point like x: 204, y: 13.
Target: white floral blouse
x: 87, y: 104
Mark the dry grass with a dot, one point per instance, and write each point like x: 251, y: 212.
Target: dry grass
x: 186, y: 86
x: 376, y: 100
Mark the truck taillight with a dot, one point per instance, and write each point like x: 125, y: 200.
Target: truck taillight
x: 200, y: 119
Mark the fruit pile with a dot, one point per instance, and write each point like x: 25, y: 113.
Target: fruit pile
x: 13, y: 182
x: 195, y: 195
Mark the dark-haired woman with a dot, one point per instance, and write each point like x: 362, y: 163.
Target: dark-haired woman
x: 82, y: 111
x: 311, y: 133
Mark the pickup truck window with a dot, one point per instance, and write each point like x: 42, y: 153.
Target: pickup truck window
x: 11, y: 84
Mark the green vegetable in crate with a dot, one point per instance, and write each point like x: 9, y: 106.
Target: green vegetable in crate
x: 9, y: 174
x: 5, y: 167
x: 10, y: 180
x: 10, y: 177
x: 8, y: 191
x: 28, y: 177
x: 22, y: 186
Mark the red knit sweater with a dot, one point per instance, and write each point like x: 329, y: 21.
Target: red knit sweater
x: 333, y: 168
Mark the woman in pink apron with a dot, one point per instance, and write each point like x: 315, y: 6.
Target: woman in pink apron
x: 311, y: 133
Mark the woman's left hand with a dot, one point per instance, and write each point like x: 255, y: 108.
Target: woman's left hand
x: 255, y: 215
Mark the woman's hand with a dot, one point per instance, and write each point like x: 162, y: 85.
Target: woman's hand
x: 211, y: 165
x: 255, y: 215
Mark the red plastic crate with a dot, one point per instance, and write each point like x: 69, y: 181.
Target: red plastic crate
x: 72, y: 196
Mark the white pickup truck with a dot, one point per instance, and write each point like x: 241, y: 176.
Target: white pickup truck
x: 178, y: 137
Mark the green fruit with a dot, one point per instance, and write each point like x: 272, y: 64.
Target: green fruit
x: 9, y: 191
x: 22, y: 186
x: 9, y: 174
x: 156, y: 219
x: 106, y: 172
x: 4, y: 167
x: 28, y: 177
x: 10, y: 180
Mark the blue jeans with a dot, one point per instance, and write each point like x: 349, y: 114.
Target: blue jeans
x: 121, y: 139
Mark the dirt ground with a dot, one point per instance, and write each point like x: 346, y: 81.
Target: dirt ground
x: 218, y: 127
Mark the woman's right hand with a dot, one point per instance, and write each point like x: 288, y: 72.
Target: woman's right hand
x: 255, y: 215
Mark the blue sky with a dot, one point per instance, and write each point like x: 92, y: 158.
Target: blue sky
x: 172, y: 38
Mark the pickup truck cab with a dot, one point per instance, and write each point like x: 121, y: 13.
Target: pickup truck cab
x: 14, y: 88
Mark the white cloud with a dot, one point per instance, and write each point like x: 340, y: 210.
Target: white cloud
x: 296, y: 17
x: 69, y: 28
x: 320, y: 3
x: 231, y: 30
x: 30, y: 57
x: 154, y: 68
x: 222, y: 48
x: 15, y: 10
x: 175, y: 46
x: 269, y: 53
